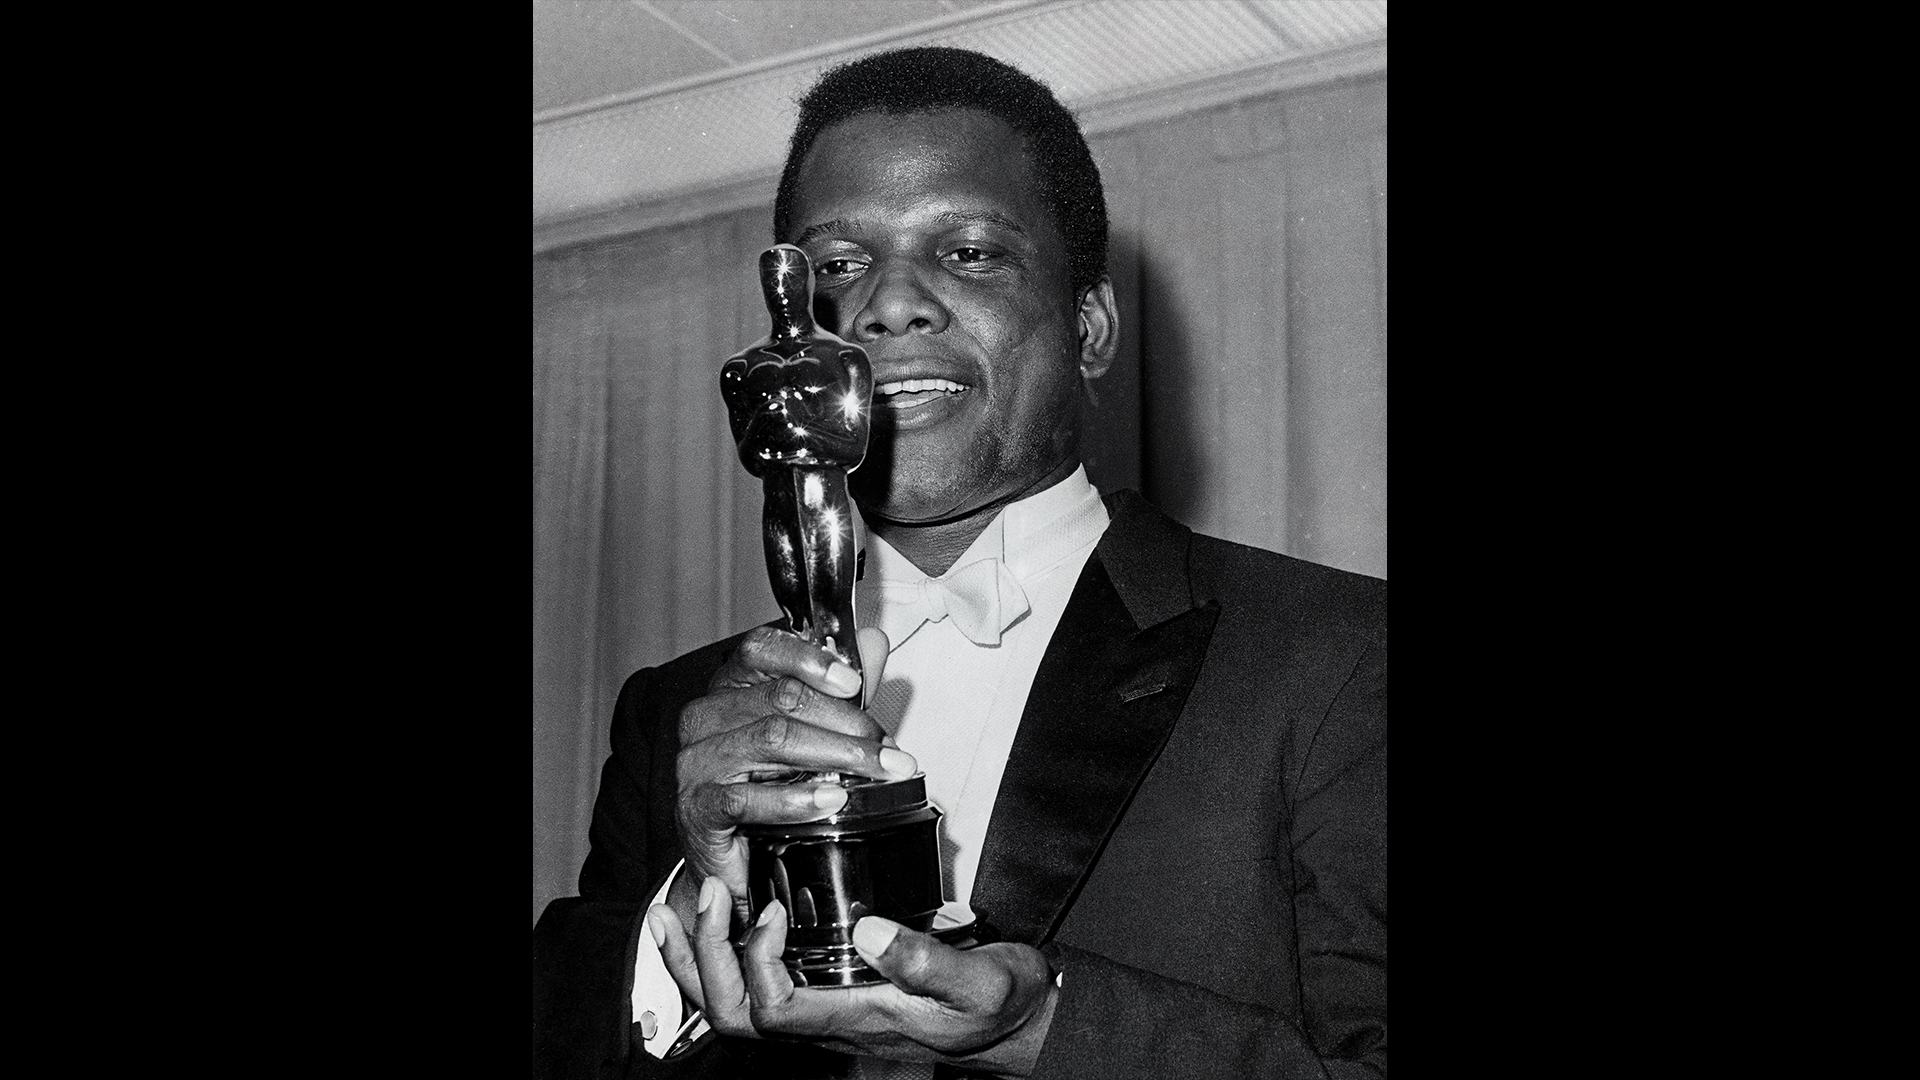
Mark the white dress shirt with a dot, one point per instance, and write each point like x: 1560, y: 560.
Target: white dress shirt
x: 953, y: 704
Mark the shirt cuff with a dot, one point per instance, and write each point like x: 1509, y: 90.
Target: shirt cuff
x: 656, y: 997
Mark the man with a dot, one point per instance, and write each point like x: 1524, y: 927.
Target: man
x: 1162, y: 756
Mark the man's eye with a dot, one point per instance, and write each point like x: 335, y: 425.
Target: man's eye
x: 967, y: 255
x: 835, y: 267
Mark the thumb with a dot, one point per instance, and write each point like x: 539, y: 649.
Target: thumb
x: 916, y: 963
x: 873, y: 659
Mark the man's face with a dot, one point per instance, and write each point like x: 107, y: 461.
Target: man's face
x: 933, y: 250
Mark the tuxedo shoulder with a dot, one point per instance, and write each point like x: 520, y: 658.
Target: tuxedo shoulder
x: 1253, y: 586
x: 1331, y: 598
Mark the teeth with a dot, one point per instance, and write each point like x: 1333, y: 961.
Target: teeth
x: 914, y: 386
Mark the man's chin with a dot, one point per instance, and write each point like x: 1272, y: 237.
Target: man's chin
x: 913, y: 496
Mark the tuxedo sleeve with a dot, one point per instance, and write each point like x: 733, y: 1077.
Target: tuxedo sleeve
x: 585, y: 946
x: 1115, y: 1021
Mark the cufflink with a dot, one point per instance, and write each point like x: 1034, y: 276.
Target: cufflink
x: 689, y: 1033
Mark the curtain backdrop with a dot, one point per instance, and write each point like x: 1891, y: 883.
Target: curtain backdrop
x: 1249, y: 257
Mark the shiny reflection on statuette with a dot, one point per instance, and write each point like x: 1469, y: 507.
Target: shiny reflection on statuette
x: 800, y: 406
x: 880, y: 855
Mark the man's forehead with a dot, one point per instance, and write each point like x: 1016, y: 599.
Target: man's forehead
x: 921, y: 145
x: 942, y: 219
x: 939, y: 168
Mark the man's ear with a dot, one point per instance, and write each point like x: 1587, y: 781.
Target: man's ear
x: 1099, y: 329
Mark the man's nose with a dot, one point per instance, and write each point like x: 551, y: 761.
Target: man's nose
x: 900, y: 303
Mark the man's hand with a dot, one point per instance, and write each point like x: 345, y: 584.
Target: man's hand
x: 777, y: 706
x: 986, y: 1008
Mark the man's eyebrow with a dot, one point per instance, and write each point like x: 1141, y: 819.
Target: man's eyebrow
x: 811, y: 231
x: 950, y: 217
x: 982, y: 217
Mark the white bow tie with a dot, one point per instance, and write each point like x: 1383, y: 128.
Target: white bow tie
x: 983, y: 598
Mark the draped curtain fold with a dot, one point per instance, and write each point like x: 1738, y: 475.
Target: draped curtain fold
x: 1249, y: 400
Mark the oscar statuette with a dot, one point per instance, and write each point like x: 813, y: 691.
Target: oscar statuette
x: 799, y: 404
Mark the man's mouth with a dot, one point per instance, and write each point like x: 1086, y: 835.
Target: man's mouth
x: 913, y: 393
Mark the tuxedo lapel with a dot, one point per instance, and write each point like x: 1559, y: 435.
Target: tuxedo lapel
x: 1103, y: 703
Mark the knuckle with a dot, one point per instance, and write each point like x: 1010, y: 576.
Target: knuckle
x: 997, y: 985
x: 774, y: 733
x: 734, y: 1025
x: 909, y: 958
x: 789, y: 694
x: 758, y: 646
x: 704, y: 838
x: 705, y: 717
x: 691, y: 715
x: 733, y: 800
x: 763, y: 1016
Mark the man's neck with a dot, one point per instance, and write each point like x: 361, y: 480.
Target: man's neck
x: 934, y: 547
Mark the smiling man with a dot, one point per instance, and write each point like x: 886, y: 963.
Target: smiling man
x: 937, y: 252
x: 1161, y: 756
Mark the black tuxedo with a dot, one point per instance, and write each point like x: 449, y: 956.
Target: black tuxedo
x: 1191, y: 826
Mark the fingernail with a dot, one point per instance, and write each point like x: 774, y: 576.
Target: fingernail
x: 710, y: 891
x: 829, y: 797
x: 898, y: 763
x: 658, y: 929
x: 888, y: 740
x: 767, y: 913
x: 842, y: 679
x: 873, y: 934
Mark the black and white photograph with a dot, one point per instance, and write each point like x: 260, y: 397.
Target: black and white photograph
x: 960, y: 538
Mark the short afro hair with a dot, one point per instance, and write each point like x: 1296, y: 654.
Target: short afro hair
x: 924, y: 79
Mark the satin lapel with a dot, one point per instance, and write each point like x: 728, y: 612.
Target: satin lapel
x: 1103, y: 703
